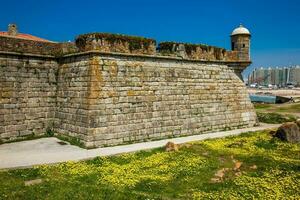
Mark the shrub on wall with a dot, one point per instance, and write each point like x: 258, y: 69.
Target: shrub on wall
x: 134, y: 42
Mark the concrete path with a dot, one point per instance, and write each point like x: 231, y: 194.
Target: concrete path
x: 49, y: 151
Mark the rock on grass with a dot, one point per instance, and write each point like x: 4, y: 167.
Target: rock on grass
x: 33, y: 182
x: 289, y: 131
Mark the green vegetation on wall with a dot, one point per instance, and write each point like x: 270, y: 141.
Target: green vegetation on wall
x: 133, y: 41
x: 169, y: 47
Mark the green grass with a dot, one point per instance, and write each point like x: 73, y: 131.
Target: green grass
x: 277, y: 113
x: 293, y: 108
x: 274, y: 118
x: 260, y: 106
x: 287, y: 108
x: 156, y: 174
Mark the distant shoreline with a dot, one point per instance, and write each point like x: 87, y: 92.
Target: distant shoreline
x: 279, y: 92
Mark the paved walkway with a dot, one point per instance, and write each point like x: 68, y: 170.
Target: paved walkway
x: 48, y: 150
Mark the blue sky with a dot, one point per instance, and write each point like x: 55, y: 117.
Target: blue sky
x: 274, y: 24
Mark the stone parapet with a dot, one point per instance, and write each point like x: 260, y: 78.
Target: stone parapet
x: 22, y: 46
x: 196, y: 52
x: 115, y: 43
x: 191, y: 51
x: 10, y: 44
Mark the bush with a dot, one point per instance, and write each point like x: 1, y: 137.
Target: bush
x: 49, y: 132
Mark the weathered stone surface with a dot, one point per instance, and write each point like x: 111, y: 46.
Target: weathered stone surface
x: 116, y: 94
x: 170, y: 146
x: 298, y: 122
x: 140, y: 99
x: 107, y: 42
x: 237, y: 165
x: 27, y: 97
x: 289, y: 131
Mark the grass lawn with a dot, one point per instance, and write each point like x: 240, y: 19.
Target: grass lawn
x: 286, y: 108
x: 249, y: 166
x: 277, y: 113
x: 275, y: 118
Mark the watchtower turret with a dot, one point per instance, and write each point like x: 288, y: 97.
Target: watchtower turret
x: 12, y: 30
x: 240, y: 42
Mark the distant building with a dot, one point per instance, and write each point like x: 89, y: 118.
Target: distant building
x: 280, y: 77
x: 13, y: 32
x: 295, y: 75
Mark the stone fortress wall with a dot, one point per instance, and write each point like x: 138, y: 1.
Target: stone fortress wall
x: 27, y: 95
x: 108, y: 89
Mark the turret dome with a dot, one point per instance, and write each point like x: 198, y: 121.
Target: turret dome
x: 241, y: 30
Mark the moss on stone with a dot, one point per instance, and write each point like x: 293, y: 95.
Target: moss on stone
x: 170, y: 47
x: 134, y: 42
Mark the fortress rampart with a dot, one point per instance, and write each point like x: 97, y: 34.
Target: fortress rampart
x: 108, y: 89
